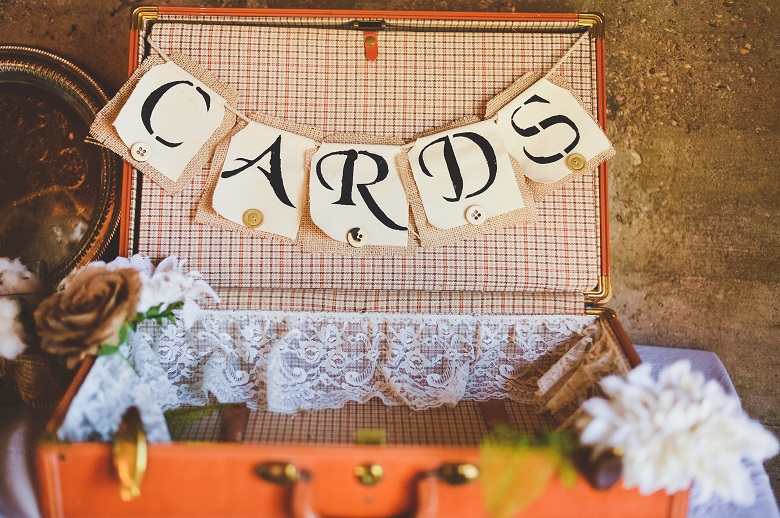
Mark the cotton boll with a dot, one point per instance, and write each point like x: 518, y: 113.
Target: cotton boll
x: 11, y: 331
x: 15, y: 278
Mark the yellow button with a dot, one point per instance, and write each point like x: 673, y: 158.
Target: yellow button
x: 370, y: 41
x: 576, y: 162
x: 253, y: 218
x: 140, y: 152
x: 357, y: 237
x: 475, y: 215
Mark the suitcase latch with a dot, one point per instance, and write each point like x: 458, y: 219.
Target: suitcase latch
x: 130, y: 454
x: 279, y: 473
x: 370, y: 30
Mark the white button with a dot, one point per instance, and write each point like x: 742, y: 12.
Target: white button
x: 140, y: 152
x: 476, y: 215
x: 357, y: 237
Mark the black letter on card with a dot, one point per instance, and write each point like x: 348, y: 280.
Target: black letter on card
x: 348, y: 181
x: 452, y: 162
x: 546, y: 123
x: 274, y: 176
x: 151, y: 102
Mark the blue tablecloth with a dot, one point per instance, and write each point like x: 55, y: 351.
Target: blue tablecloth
x: 20, y: 427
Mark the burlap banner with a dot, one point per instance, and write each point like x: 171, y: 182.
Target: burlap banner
x: 351, y: 194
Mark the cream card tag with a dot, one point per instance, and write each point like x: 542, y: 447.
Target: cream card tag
x: 549, y: 132
x: 263, y: 180
x: 168, y: 118
x: 463, y: 174
x: 356, y: 195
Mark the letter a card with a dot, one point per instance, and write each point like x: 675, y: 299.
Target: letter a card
x: 167, y: 119
x: 257, y: 184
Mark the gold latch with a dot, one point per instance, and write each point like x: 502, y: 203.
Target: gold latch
x: 457, y: 474
x: 369, y: 474
x: 279, y: 473
x: 130, y: 455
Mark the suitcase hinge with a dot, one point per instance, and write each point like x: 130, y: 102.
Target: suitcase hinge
x: 601, y: 293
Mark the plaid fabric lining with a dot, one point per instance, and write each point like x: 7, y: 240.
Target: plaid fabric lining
x: 393, y: 301
x: 461, y: 425
x: 421, y: 80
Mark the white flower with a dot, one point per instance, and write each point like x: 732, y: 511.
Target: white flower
x: 11, y: 331
x: 678, y: 430
x: 167, y: 284
x: 163, y: 286
x: 16, y: 278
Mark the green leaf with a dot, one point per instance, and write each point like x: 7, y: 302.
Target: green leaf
x: 567, y: 472
x: 124, y: 333
x: 181, y: 417
x: 516, y: 468
x: 107, y: 349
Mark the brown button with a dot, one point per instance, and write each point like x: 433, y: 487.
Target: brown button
x: 576, y: 162
x: 475, y: 215
x: 370, y: 41
x: 357, y: 237
x: 140, y: 152
x: 252, y: 218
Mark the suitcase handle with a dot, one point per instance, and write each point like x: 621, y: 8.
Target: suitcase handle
x: 302, y: 493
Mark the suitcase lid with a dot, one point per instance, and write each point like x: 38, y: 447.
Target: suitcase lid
x: 310, y: 67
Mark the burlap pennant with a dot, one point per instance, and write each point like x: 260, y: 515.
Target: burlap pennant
x: 540, y: 189
x: 206, y: 212
x: 312, y: 238
x: 103, y: 129
x: 431, y: 235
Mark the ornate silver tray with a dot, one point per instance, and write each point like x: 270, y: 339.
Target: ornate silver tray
x: 58, y: 193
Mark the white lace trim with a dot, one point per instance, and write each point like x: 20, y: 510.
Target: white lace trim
x: 112, y: 387
x: 286, y: 362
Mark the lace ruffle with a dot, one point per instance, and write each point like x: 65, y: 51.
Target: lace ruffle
x: 286, y: 362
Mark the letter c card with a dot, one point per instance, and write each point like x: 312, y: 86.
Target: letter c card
x: 167, y: 120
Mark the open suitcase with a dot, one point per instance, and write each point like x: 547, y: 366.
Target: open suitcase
x: 479, y: 322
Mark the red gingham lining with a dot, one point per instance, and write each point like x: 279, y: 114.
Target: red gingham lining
x: 461, y: 425
x: 422, y: 79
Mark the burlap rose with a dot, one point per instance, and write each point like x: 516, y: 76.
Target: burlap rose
x: 89, y: 312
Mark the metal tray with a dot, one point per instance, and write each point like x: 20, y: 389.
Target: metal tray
x: 58, y: 193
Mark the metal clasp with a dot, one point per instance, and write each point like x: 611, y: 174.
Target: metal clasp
x: 457, y: 474
x: 369, y: 25
x: 279, y: 473
x: 130, y: 454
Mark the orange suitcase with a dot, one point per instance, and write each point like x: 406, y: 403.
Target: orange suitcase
x: 386, y: 73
